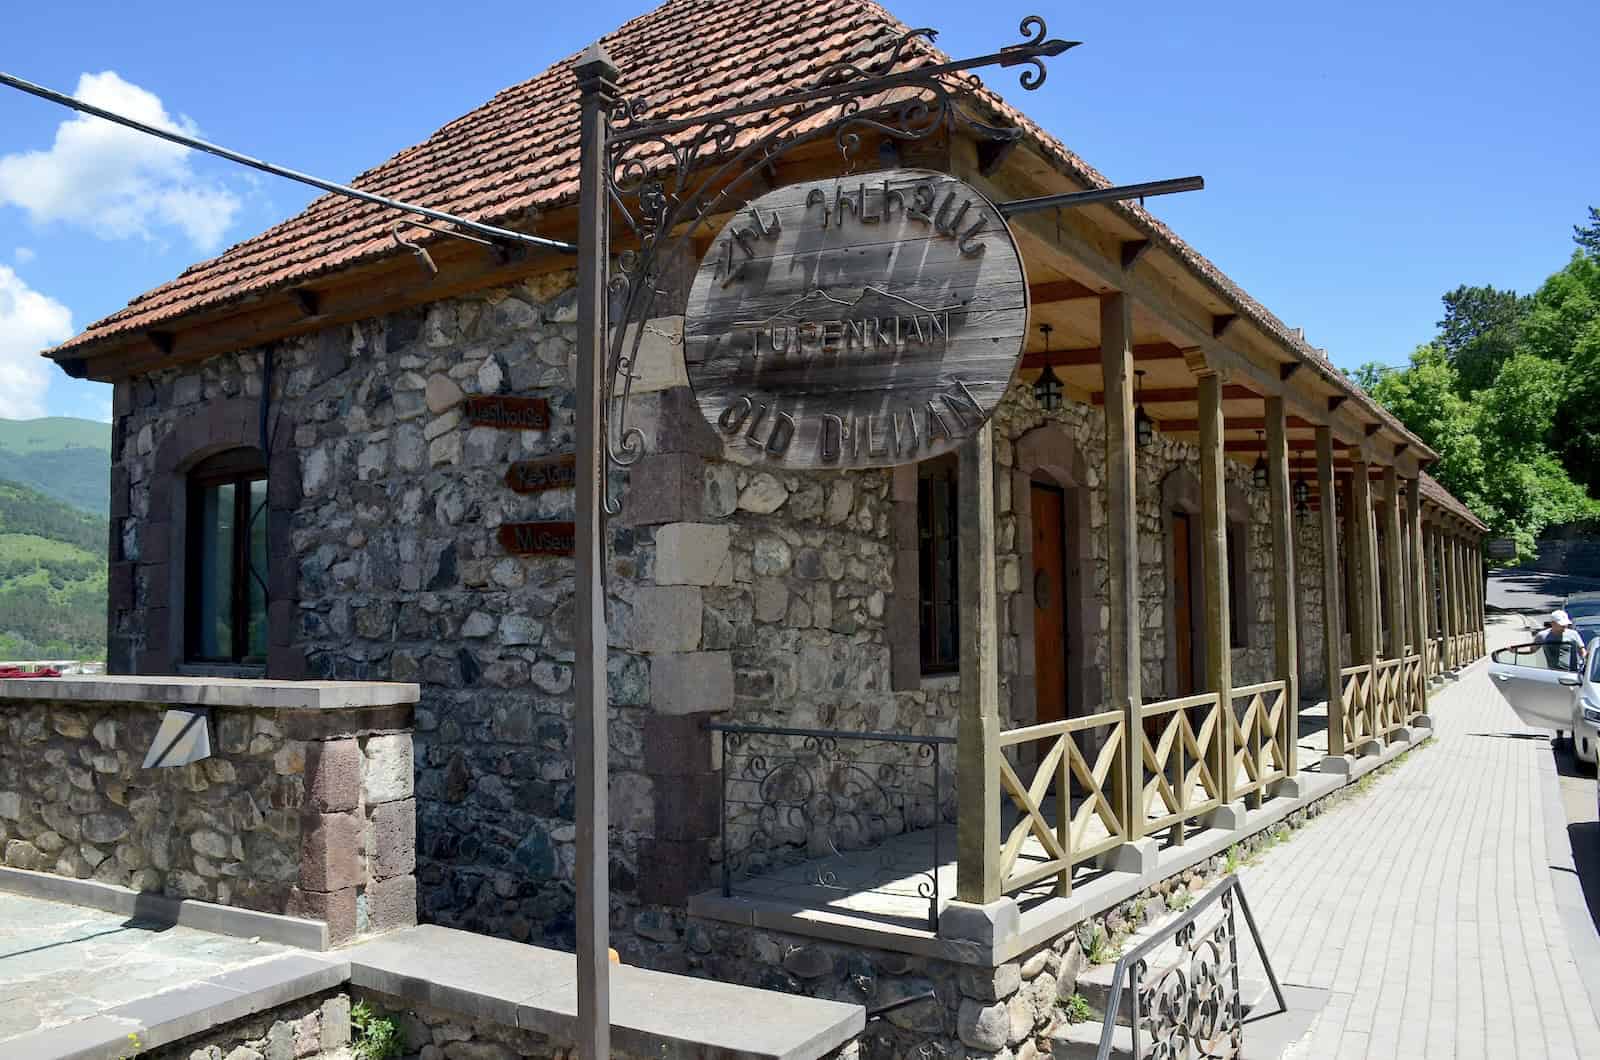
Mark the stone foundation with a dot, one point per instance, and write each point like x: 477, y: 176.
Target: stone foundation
x: 315, y: 1027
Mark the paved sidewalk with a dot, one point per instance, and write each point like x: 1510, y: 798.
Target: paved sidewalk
x: 1426, y: 906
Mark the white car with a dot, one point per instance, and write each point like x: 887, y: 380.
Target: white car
x: 1549, y: 687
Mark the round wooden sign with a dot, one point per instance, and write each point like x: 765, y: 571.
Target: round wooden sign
x: 855, y: 322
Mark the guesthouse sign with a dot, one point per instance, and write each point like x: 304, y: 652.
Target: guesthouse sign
x: 861, y: 321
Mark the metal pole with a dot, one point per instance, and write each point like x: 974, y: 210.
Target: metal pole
x: 492, y: 231
x: 1116, y: 193
x: 596, y: 75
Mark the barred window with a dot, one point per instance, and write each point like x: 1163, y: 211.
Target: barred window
x: 938, y: 558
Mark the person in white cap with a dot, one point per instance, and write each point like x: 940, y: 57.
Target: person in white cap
x: 1559, y: 631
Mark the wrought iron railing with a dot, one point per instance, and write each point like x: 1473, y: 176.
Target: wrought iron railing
x: 793, y: 797
x: 1193, y: 1007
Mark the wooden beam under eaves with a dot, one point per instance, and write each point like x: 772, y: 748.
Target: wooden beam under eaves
x: 309, y: 301
x: 163, y: 341
x: 1337, y: 400
x: 1287, y: 370
x: 1132, y: 251
x: 1086, y: 356
x: 1221, y: 323
x: 1059, y: 291
x: 1178, y: 395
x: 1373, y: 428
x: 1238, y: 423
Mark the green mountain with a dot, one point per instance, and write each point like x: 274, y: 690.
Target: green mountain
x: 52, y: 578
x: 61, y: 457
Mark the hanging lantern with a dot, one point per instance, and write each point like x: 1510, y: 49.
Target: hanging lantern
x: 1144, y: 428
x: 1302, y: 496
x: 1047, y: 388
x: 1258, y: 473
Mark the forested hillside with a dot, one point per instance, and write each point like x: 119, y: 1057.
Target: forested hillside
x: 59, y: 456
x: 1508, y: 393
x: 52, y: 578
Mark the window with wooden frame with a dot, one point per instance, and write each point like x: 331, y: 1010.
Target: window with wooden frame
x: 225, y: 563
x: 938, y: 572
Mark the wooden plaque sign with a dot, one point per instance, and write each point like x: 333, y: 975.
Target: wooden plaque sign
x: 511, y: 413
x: 536, y: 476
x: 860, y: 321
x: 538, y: 539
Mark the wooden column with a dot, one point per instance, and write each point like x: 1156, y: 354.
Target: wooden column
x: 1122, y: 535
x: 978, y: 726
x: 1366, y: 554
x: 1332, y: 590
x: 1214, y: 565
x: 1417, y: 588
x: 596, y: 75
x: 1447, y: 598
x: 1393, y: 565
x: 1354, y: 613
x: 1430, y: 581
x: 1285, y: 637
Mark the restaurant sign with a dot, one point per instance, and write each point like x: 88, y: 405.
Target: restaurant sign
x: 862, y: 321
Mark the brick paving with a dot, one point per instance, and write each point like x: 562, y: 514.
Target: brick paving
x: 1426, y: 906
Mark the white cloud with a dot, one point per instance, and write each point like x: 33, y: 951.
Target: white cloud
x: 29, y: 322
x: 114, y: 181
x: 25, y: 255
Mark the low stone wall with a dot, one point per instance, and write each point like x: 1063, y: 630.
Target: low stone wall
x: 316, y: 1026
x: 302, y: 812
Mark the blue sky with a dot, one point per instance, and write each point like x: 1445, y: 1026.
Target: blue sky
x: 1360, y: 158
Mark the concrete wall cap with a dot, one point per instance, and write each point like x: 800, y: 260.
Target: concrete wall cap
x: 225, y: 692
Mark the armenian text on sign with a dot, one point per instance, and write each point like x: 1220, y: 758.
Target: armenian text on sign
x: 507, y: 412
x: 538, y: 539
x: 536, y: 476
x: 856, y: 322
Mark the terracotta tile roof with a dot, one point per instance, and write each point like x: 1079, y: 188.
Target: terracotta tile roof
x: 518, y: 153
x: 1433, y: 491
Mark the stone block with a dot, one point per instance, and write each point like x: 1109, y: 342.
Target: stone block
x: 335, y: 1021
x: 676, y: 746
x: 393, y: 845
x: 333, y: 775
x: 985, y: 1027
x: 1139, y: 856
x: 666, y: 618
x: 1230, y: 816
x: 337, y: 909
x: 697, y: 682
x: 392, y: 904
x: 677, y: 869
x: 688, y: 807
x: 989, y: 924
x: 388, y: 773
x: 694, y: 554
x: 664, y: 488
x: 990, y: 983
x: 330, y: 851
x: 1337, y: 765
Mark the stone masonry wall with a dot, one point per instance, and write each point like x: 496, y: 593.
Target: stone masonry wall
x: 748, y: 594
x: 289, y: 814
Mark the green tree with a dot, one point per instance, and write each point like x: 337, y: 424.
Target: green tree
x: 1479, y: 332
x: 1588, y: 236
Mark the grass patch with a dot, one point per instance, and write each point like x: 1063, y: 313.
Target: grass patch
x: 377, y: 1036
x: 1102, y: 949
x: 1075, y: 1009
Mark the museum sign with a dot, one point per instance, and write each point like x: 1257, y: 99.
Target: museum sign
x: 856, y: 322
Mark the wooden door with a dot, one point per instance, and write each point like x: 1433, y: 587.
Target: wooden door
x: 1049, y: 603
x: 1184, y: 601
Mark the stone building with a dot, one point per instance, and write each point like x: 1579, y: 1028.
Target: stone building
x: 299, y: 492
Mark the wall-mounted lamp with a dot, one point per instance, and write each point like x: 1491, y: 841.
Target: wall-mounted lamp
x: 1047, y: 388
x: 1302, y: 495
x: 1258, y: 473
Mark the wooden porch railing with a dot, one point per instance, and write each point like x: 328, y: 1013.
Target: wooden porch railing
x: 1259, y: 727
x: 1411, y: 672
x: 1355, y: 699
x: 1067, y: 841
x: 1388, y: 697
x: 1178, y: 760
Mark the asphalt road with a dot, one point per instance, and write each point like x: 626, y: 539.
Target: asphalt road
x: 1532, y: 591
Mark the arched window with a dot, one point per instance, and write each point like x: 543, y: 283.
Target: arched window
x: 225, y: 563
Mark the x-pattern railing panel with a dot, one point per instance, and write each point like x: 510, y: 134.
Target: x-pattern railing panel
x: 1355, y: 696
x: 1065, y: 840
x: 1386, y: 699
x: 1179, y: 760
x: 1259, y: 751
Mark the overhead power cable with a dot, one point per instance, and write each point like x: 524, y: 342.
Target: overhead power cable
x: 493, y: 232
